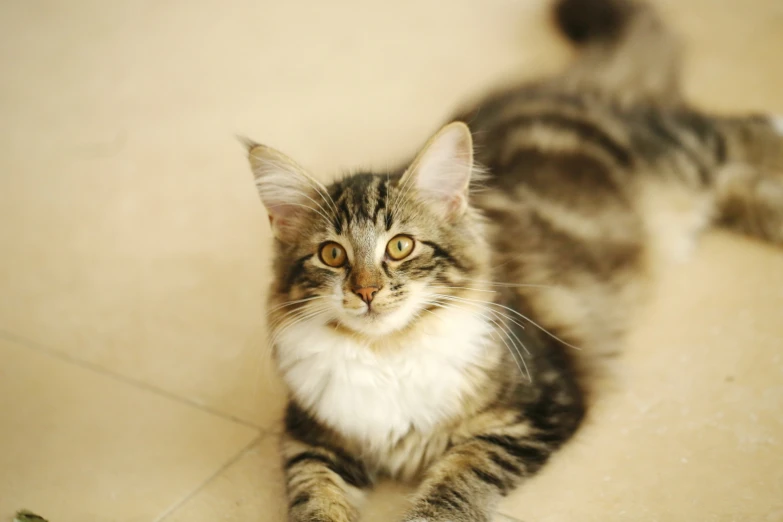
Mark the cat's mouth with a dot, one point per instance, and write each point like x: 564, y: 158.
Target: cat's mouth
x: 369, y: 312
x: 376, y: 320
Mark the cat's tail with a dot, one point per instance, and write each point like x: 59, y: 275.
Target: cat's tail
x: 624, y: 47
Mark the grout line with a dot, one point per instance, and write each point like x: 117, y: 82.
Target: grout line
x: 230, y: 462
x: 28, y: 343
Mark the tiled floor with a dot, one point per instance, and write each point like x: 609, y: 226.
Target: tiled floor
x: 134, y: 382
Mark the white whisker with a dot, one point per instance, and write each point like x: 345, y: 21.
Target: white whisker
x: 507, y: 332
x: 515, y: 353
x: 298, y: 319
x: 496, y: 313
x: 291, y: 303
x: 526, y: 318
x: 510, y: 285
x: 463, y: 288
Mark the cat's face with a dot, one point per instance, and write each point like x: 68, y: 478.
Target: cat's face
x: 372, y: 253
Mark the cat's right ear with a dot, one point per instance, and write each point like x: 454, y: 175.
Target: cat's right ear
x: 289, y: 194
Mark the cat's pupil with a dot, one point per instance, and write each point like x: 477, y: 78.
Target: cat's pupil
x: 399, y: 245
x: 334, y: 253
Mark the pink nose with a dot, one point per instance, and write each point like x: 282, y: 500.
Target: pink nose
x: 367, y: 293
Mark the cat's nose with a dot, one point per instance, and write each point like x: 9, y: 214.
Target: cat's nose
x: 367, y: 293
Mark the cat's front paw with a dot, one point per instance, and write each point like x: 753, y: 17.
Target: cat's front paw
x: 419, y: 517
x: 444, y: 518
x: 430, y: 515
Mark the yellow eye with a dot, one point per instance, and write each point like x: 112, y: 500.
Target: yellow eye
x: 333, y: 254
x: 399, y: 247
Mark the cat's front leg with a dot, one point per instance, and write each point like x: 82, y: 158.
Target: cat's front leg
x: 468, y: 481
x: 324, y: 482
x: 323, y: 485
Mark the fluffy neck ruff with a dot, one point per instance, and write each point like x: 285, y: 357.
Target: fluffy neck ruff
x: 378, y: 390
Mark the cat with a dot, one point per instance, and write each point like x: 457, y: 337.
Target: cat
x: 426, y: 321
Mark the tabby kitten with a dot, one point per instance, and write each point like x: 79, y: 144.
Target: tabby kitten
x: 425, y: 330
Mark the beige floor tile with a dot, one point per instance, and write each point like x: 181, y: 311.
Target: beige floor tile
x: 250, y: 489
x: 77, y: 446
x: 693, y: 430
x: 729, y: 48
x: 142, y: 281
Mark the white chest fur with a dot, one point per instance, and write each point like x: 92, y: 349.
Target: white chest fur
x: 379, y: 395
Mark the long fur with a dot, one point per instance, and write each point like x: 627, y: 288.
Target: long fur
x: 462, y: 373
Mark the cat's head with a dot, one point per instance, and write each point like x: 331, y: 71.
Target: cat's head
x: 373, y: 253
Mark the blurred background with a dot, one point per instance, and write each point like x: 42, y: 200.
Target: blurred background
x: 134, y: 378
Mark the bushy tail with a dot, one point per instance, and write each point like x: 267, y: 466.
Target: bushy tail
x: 624, y: 47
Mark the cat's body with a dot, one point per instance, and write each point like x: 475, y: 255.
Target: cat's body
x: 424, y: 328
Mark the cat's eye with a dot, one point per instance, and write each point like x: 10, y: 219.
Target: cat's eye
x: 332, y: 254
x: 399, y: 247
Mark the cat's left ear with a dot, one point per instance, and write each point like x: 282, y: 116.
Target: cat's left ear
x: 441, y: 172
x: 289, y: 194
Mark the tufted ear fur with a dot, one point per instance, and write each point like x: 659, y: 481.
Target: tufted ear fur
x: 441, y: 172
x: 289, y: 194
